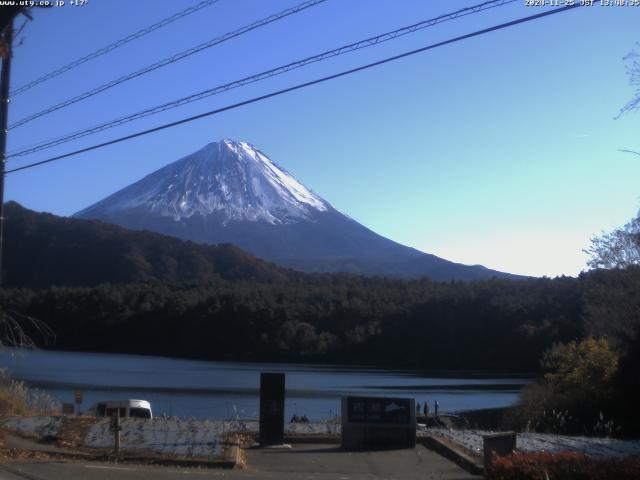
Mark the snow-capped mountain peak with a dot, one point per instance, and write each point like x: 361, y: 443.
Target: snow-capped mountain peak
x: 231, y: 192
x: 229, y: 177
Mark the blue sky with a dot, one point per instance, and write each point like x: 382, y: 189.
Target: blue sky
x: 500, y: 150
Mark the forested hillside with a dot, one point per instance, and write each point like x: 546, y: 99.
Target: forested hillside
x: 41, y: 250
x: 104, y: 288
x: 496, y: 325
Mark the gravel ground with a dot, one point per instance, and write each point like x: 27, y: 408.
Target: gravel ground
x: 203, y: 439
x: 542, y: 442
x: 34, y: 427
x: 189, y: 438
x: 175, y: 436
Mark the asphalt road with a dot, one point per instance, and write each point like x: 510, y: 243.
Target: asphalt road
x: 309, y: 462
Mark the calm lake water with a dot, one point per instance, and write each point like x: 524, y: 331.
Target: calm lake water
x: 220, y: 390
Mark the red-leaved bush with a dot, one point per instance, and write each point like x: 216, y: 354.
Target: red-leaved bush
x: 561, y: 466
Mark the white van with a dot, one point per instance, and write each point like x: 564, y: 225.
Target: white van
x: 127, y: 408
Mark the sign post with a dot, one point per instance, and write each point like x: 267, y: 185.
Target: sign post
x: 378, y: 422
x: 78, y: 396
x: 271, y: 408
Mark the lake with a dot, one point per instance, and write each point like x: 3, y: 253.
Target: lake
x: 222, y: 390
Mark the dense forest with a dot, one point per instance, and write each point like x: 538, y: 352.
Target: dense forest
x: 100, y: 287
x: 497, y: 325
x: 41, y: 250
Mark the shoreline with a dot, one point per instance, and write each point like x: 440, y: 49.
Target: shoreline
x: 321, y: 365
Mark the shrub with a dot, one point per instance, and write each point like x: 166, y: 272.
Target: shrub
x: 576, y: 394
x: 584, y: 369
x: 17, y: 399
x: 565, y: 466
x: 13, y: 396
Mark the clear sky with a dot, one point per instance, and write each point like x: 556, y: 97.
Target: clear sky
x: 500, y: 150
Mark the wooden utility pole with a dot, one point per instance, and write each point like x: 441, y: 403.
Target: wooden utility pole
x: 6, y: 43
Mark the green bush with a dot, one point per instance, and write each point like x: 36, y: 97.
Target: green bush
x: 583, y: 369
x: 576, y: 395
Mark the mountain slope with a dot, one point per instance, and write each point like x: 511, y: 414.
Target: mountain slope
x: 230, y: 192
x: 230, y: 179
x: 41, y: 250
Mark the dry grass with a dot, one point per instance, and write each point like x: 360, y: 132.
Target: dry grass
x: 17, y: 399
x: 11, y: 401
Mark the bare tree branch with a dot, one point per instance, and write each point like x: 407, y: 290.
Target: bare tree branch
x: 16, y: 328
x: 632, y: 67
x: 629, y: 151
x: 617, y: 249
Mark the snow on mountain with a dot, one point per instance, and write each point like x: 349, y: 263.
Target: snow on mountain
x: 230, y: 177
x: 230, y: 192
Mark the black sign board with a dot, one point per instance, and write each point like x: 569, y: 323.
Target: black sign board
x: 271, y: 408
x: 396, y: 411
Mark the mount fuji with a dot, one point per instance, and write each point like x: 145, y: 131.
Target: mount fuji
x: 231, y: 192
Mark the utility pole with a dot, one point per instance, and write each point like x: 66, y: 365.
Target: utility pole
x: 6, y: 44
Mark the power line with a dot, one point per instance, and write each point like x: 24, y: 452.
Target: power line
x: 298, y: 87
x: 169, y: 60
x: 261, y: 76
x: 114, y: 45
